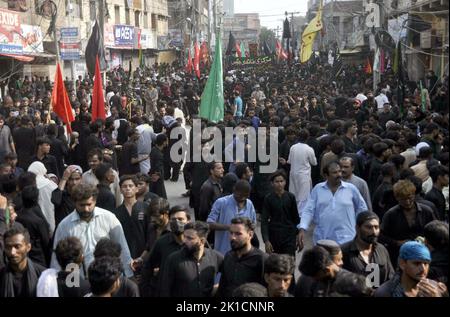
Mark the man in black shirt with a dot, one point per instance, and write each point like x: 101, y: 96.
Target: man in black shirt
x: 334, y: 281
x: 364, y: 255
x: 129, y: 163
x: 436, y: 239
x: 132, y: 216
x: 163, y: 247
x: 405, y: 221
x: 244, y: 263
x: 280, y: 217
x: 105, y: 176
x: 157, y: 166
x: 210, y: 190
x: 57, y: 148
x: 42, y: 155
x: 19, y: 278
x: 69, y: 253
x: 191, y: 271
x: 278, y: 274
x: 380, y: 205
x: 439, y: 176
x: 61, y: 199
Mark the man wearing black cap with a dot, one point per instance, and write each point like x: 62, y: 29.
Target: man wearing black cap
x: 364, y: 255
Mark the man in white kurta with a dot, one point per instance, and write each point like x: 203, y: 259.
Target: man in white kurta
x: 301, y: 158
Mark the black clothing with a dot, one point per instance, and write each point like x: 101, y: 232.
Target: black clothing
x: 23, y: 284
x: 236, y: 271
x: 105, y: 198
x: 63, y: 203
x: 49, y: 162
x: 379, y: 203
x: 25, y: 142
x: 350, y: 146
x: 128, y: 288
x: 34, y: 221
x: 279, y: 222
x: 184, y: 276
x: 59, y: 150
x: 374, y: 172
x: 209, y: 192
x: 394, y: 227
x: 353, y: 261
x: 439, y: 266
x: 437, y: 198
x: 164, y: 246
x: 157, y: 167
x: 129, y: 151
x: 92, y: 142
x: 134, y: 227
x: 76, y: 291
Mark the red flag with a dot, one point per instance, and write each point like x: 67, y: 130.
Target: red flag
x: 238, y: 50
x: 60, y: 100
x: 281, y: 54
x: 189, y: 63
x: 368, y: 68
x: 98, y: 101
x: 197, y: 60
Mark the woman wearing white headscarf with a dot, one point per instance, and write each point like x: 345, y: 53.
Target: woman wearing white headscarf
x: 46, y: 187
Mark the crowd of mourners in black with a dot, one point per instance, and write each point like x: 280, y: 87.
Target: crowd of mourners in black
x: 86, y: 213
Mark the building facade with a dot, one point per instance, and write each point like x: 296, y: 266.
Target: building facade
x: 245, y: 27
x: 128, y: 25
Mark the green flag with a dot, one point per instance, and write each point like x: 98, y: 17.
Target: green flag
x: 212, y: 101
x: 423, y: 97
x: 243, y: 50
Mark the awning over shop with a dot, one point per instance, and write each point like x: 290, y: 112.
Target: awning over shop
x: 22, y: 58
x: 29, y: 57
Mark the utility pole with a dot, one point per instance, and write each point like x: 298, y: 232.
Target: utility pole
x: 101, y: 23
x: 214, y: 30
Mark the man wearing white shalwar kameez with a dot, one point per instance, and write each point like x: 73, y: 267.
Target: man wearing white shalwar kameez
x: 301, y: 158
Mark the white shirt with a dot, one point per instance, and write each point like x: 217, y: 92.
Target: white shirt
x: 381, y: 99
x: 361, y: 97
x: 301, y: 157
x: 104, y: 224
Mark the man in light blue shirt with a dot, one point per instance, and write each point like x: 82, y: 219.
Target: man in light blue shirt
x: 89, y: 224
x: 332, y: 206
x: 226, y: 208
x: 238, y: 107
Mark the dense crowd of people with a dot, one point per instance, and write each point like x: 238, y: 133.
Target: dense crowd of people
x: 365, y: 171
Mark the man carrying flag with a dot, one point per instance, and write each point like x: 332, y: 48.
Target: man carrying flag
x: 98, y: 101
x: 60, y: 102
x: 212, y: 101
x: 309, y: 34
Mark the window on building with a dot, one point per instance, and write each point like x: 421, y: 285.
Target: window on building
x: 154, y: 21
x: 137, y: 17
x: 92, y: 10
x: 145, y: 20
x: 127, y: 16
x: 117, y: 14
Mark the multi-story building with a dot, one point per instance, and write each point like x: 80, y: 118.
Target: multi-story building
x: 128, y: 25
x: 423, y: 25
x: 344, y: 27
x: 245, y: 27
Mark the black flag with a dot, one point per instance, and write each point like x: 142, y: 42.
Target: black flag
x: 95, y: 47
x: 286, y: 29
x: 231, y: 45
x: 266, y: 49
